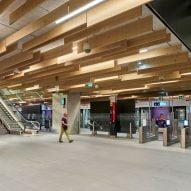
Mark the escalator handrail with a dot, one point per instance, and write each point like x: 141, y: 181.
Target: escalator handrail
x: 36, y: 127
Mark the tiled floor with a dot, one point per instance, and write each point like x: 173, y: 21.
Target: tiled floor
x: 40, y: 163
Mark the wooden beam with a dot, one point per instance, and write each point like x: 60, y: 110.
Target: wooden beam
x: 151, y: 64
x: 10, y: 50
x: 20, y: 57
x: 57, y: 52
x: 24, y: 9
x: 150, y: 54
x: 75, y: 4
x: 36, y: 59
x: 125, y: 32
x: 58, y: 32
x: 50, y: 72
x: 172, y: 67
x: 105, y: 25
x: 35, y: 25
x: 4, y: 4
x: 111, y: 8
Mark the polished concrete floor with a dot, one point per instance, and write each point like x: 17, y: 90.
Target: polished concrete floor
x: 40, y: 163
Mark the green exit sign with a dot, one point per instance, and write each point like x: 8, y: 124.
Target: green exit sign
x: 90, y: 84
x: 180, y: 97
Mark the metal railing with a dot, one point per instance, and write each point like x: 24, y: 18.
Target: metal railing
x: 18, y: 117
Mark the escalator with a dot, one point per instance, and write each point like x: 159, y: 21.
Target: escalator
x: 14, y: 121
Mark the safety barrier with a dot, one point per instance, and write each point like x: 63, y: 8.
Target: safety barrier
x: 185, y: 137
x: 145, y: 135
x: 169, y: 136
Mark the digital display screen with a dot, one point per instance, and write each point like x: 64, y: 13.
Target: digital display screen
x: 63, y: 101
x: 185, y: 123
x: 167, y: 122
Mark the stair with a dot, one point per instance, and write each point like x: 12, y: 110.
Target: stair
x: 9, y: 122
x: 3, y: 129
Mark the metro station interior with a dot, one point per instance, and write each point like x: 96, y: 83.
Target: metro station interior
x: 120, y: 69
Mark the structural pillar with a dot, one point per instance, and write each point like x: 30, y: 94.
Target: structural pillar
x: 66, y: 103
x: 113, y: 115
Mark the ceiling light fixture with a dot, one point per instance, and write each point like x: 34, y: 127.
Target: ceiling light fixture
x: 165, y: 82
x: 78, y: 11
x: 139, y: 63
x: 143, y: 50
x: 185, y: 74
x: 106, y: 78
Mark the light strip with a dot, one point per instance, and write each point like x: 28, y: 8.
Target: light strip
x: 166, y: 82
x: 143, y: 50
x: 78, y: 11
x: 77, y: 86
x: 106, y: 78
x: 185, y: 74
x: 130, y: 89
x: 35, y: 87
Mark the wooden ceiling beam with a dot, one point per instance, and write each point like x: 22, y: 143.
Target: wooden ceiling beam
x: 15, y: 59
x: 105, y: 25
x: 110, y: 8
x: 156, y: 63
x: 61, y: 31
x: 173, y: 67
x: 57, y: 52
x: 4, y: 4
x: 36, y: 25
x: 24, y: 9
x: 55, y: 72
x: 127, y: 31
x: 150, y: 54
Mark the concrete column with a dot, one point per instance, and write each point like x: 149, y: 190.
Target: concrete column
x: 57, y: 110
x: 113, y: 115
x: 183, y: 138
x: 71, y: 106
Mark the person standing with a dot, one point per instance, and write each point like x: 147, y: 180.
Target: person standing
x: 161, y: 122
x: 64, y: 128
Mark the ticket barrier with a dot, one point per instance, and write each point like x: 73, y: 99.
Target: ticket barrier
x: 169, y: 137
x: 185, y: 137
x: 145, y: 135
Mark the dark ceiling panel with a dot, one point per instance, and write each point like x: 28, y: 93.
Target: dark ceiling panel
x: 177, y: 14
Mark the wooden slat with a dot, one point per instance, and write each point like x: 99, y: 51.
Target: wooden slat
x: 35, y: 25
x: 111, y: 8
x: 58, y: 51
x: 125, y: 32
x: 105, y: 25
x: 51, y: 71
x: 75, y: 4
x: 58, y: 32
x: 150, y: 54
x: 160, y: 69
x: 4, y: 4
x: 10, y: 49
x: 36, y: 59
x: 20, y: 57
x: 25, y: 8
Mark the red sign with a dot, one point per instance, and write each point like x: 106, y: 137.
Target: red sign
x: 113, y: 112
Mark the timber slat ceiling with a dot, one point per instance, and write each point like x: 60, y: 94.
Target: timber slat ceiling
x: 130, y: 53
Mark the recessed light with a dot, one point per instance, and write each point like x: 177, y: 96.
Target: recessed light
x: 143, y: 50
